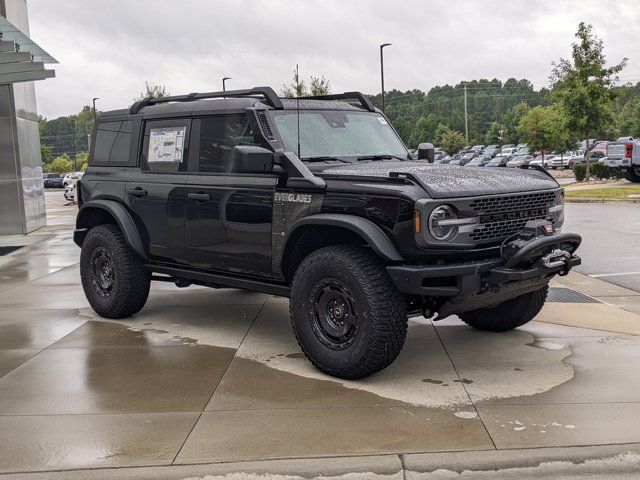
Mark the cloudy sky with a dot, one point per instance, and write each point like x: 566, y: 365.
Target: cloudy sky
x: 109, y: 48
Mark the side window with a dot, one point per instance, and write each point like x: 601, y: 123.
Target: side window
x: 112, y: 143
x: 218, y: 136
x: 105, y: 137
x: 165, y: 147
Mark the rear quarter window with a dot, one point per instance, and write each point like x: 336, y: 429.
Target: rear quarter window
x: 112, y: 143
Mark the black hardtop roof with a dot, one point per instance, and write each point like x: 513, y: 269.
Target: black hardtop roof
x: 235, y: 101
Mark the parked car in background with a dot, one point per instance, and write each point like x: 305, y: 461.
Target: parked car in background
x: 508, y: 145
x: 601, y: 146
x: 508, y: 150
x: 521, y: 146
x: 519, y: 160
x: 544, y: 163
x: 499, y: 161
x: 479, y: 161
x: 560, y: 160
x: 491, y: 152
x: 72, y: 177
x: 576, y: 158
x: 52, y: 180
x: 523, y: 151
x: 492, y: 147
x: 70, y: 191
x: 626, y: 155
x: 625, y: 139
x: 478, y: 148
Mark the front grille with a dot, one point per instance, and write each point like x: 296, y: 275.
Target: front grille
x: 514, y: 203
x: 501, y: 217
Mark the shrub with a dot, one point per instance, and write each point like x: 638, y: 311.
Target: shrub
x: 580, y: 170
x: 600, y: 171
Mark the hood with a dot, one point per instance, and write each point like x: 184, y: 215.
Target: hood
x: 451, y: 181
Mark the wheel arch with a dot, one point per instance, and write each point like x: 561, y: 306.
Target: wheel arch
x: 320, y: 230
x: 99, y: 212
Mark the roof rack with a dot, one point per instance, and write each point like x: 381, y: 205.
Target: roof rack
x: 363, y: 99
x: 267, y: 93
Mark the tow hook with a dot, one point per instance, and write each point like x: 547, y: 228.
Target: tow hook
x: 557, y: 258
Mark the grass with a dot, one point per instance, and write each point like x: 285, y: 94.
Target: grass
x: 610, y: 192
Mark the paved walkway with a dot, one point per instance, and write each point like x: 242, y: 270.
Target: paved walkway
x: 205, y: 376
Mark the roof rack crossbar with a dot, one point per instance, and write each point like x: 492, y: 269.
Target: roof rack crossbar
x: 267, y: 93
x: 363, y: 99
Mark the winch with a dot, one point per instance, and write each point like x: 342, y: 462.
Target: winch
x: 538, y: 243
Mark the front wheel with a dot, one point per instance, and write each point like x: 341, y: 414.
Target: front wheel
x: 113, y: 276
x: 347, y: 315
x: 508, y: 315
x: 632, y: 176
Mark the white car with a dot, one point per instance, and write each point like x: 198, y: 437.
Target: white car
x: 70, y: 191
x: 72, y: 177
x: 538, y: 161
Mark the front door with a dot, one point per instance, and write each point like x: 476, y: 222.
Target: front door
x: 228, y: 214
x: 156, y: 191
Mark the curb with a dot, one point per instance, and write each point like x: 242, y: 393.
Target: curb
x: 612, y: 201
x: 551, y: 462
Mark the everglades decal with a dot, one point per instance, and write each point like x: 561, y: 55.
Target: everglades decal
x: 292, y: 197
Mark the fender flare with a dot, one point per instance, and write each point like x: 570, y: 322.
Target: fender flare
x: 379, y: 242
x: 122, y: 218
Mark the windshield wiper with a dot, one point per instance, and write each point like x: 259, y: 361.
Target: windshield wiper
x: 380, y: 157
x: 324, y: 158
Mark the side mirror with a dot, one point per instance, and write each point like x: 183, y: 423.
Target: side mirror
x: 426, y: 152
x: 251, y: 159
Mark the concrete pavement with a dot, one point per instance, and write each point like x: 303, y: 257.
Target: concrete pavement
x: 209, y: 382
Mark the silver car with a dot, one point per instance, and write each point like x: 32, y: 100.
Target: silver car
x: 519, y: 161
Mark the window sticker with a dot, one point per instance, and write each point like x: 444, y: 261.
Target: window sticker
x: 166, y: 144
x: 382, y: 121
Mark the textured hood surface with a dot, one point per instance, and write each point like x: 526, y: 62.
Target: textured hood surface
x: 450, y: 181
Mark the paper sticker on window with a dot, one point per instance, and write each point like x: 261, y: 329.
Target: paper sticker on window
x: 166, y: 144
x: 382, y: 121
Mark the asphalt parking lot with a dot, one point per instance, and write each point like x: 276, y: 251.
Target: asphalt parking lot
x: 208, y: 382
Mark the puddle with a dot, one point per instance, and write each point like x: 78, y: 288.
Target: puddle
x: 491, y: 365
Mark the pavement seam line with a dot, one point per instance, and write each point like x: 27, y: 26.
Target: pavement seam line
x: 465, y: 389
x: 219, y: 381
x: 402, y: 464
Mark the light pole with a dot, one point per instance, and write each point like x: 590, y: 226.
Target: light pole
x: 382, y: 71
x: 224, y: 87
x: 94, y: 107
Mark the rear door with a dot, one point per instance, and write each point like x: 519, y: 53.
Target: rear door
x: 156, y: 191
x: 228, y: 213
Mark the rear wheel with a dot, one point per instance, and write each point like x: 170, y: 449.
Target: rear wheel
x: 113, y: 276
x: 348, y: 317
x: 508, y: 315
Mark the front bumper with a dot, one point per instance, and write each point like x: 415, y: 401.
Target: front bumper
x: 481, y: 284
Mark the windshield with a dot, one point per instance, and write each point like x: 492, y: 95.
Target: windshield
x: 338, y: 134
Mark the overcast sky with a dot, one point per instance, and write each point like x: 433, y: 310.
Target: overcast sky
x: 109, y: 48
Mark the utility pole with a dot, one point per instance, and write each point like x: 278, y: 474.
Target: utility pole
x: 382, y: 71
x: 73, y: 138
x: 466, y: 118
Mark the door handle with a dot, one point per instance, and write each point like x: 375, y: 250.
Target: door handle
x: 137, y: 192
x: 199, y: 197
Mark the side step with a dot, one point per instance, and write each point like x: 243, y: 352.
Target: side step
x: 222, y: 280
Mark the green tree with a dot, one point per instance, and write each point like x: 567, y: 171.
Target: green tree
x: 60, y: 164
x: 320, y: 86
x: 583, y: 86
x: 545, y: 129
x: 152, y: 91
x: 45, y: 153
x: 510, y: 121
x: 453, y: 141
x: 298, y: 88
x: 630, y: 118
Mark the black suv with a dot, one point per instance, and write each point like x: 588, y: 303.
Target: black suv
x: 316, y: 199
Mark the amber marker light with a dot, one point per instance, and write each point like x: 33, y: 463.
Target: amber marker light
x: 417, y: 222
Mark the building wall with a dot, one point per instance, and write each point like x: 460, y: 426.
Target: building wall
x: 22, y: 207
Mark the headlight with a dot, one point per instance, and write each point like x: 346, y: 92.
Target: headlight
x: 442, y: 223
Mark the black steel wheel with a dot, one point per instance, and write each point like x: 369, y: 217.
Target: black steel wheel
x: 113, y: 276
x: 348, y: 316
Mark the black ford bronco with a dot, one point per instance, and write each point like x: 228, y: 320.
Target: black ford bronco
x: 316, y: 199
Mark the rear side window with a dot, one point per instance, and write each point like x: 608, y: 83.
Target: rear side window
x: 112, y: 143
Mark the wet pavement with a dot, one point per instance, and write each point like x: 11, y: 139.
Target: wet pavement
x: 204, y: 376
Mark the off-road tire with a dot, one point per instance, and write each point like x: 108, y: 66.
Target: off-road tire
x: 508, y: 315
x: 130, y: 282
x: 632, y: 176
x: 380, y: 311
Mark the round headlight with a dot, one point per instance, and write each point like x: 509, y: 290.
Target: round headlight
x: 440, y: 225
